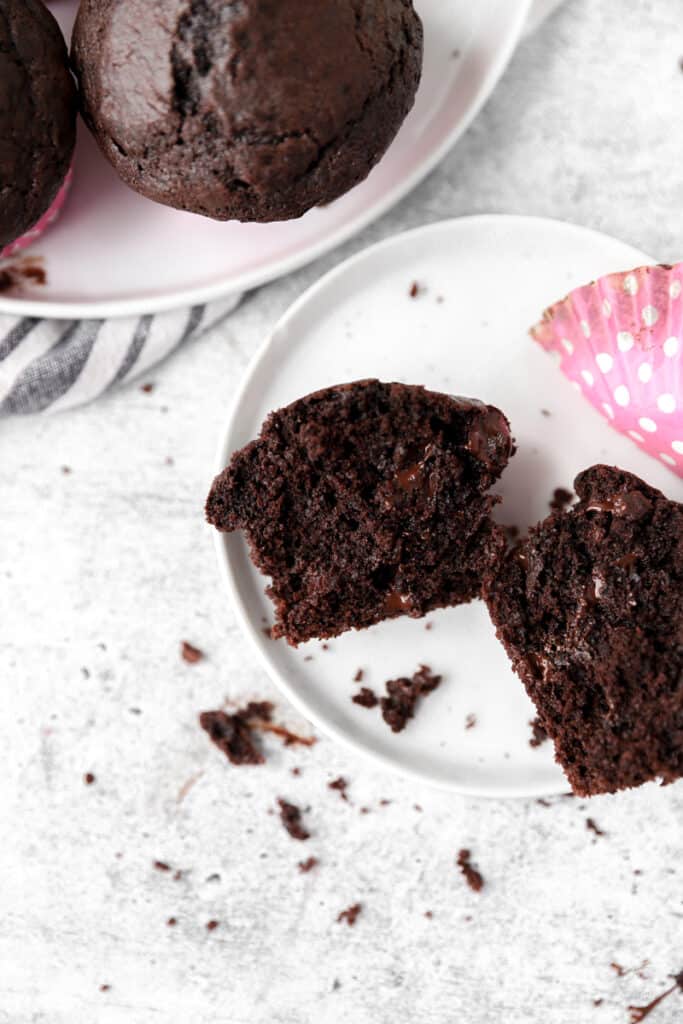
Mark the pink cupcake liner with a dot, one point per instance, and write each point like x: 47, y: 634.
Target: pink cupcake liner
x: 620, y: 342
x: 45, y: 221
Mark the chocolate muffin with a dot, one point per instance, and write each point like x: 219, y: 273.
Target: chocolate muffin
x: 37, y: 115
x: 252, y: 111
x: 367, y: 501
x: 590, y: 610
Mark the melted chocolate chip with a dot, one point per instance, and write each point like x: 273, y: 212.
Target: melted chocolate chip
x: 396, y: 602
x: 489, y: 440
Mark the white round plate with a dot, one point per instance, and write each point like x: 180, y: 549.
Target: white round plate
x: 113, y: 253
x: 484, y: 281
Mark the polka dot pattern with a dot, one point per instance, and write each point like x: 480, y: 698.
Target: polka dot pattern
x: 620, y: 341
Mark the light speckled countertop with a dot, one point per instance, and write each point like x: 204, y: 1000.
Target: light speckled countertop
x: 105, y: 570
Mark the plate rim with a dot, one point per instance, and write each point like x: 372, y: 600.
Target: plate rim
x: 223, y: 542
x: 151, y: 305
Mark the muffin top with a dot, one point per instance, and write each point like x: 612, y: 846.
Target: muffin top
x: 37, y: 114
x: 254, y: 110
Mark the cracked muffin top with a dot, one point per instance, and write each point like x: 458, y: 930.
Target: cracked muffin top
x: 37, y: 115
x: 250, y: 109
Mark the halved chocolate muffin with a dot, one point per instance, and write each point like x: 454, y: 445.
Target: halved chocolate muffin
x: 590, y: 610
x: 367, y: 501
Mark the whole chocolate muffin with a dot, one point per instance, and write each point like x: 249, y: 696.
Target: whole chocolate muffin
x: 37, y: 115
x: 367, y: 501
x: 590, y: 610
x: 252, y: 111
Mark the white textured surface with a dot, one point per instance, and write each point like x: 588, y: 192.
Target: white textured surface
x: 584, y: 126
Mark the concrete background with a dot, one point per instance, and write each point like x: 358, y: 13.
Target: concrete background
x: 105, y: 570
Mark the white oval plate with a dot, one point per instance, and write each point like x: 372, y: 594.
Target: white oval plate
x: 113, y: 253
x: 495, y: 275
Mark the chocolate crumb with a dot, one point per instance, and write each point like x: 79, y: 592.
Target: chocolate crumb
x: 364, y: 810
x: 384, y: 802
x: 417, y: 807
x: 169, y: 461
x: 592, y: 827
x: 147, y: 388
x: 88, y: 778
x: 544, y: 803
x: 350, y: 914
x: 104, y: 988
x: 358, y: 678
x: 429, y: 625
x: 366, y: 698
x: 290, y: 816
x: 177, y: 875
x: 190, y: 654
x: 233, y: 735
x: 470, y: 721
x: 341, y: 785
x: 402, y: 696
x: 309, y: 657
x: 325, y: 647
x: 295, y: 771
x: 161, y: 865
x: 598, y: 1002
x: 414, y: 290
x: 539, y: 735
x: 473, y: 878
x: 267, y: 633
x: 307, y: 865
x: 212, y: 925
x: 66, y: 470
x: 560, y: 499
x: 640, y: 1013
x: 172, y: 922
x: 28, y: 270
x: 429, y: 915
x: 545, y: 412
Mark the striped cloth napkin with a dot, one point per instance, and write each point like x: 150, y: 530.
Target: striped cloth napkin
x: 50, y: 365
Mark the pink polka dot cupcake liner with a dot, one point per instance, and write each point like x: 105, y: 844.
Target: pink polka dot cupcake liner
x: 620, y: 341
x: 48, y: 218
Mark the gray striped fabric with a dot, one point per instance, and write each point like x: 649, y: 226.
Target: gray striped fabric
x: 50, y: 365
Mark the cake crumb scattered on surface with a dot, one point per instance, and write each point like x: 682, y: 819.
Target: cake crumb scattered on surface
x: 641, y: 1013
x: 212, y: 925
x: 147, y: 388
x: 398, y: 707
x: 545, y: 412
x: 429, y: 625
x: 189, y: 653
x: 414, y: 290
x: 233, y: 735
x: 593, y: 827
x: 350, y: 915
x: 472, y: 876
x: 598, y: 1002
x: 290, y: 816
x: 66, y: 470
x: 358, y: 678
x: 429, y: 914
x: 307, y: 865
x: 366, y: 698
x: 340, y: 785
x: 470, y: 721
x: 295, y: 771
x: 105, y: 988
x: 161, y: 865
x: 172, y: 922
x: 89, y: 778
x: 538, y: 733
